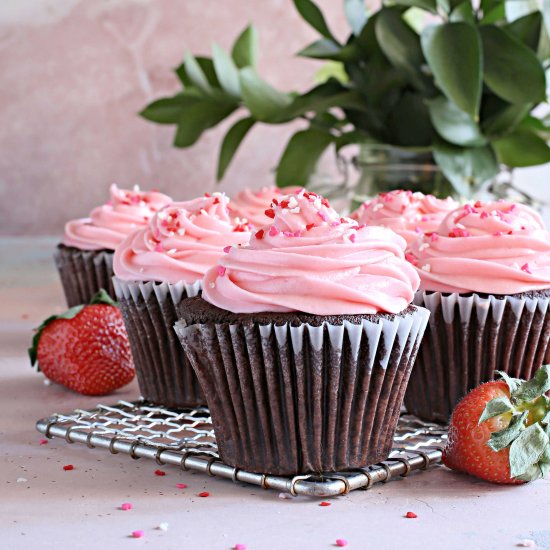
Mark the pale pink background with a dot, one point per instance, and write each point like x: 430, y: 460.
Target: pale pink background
x: 74, y: 73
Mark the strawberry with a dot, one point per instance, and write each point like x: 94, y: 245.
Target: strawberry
x: 86, y: 348
x: 500, y: 431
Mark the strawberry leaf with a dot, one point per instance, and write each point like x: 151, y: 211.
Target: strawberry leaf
x: 103, y: 298
x: 501, y: 440
x: 499, y: 405
x: 513, y: 383
x: 526, y: 451
x: 537, y: 386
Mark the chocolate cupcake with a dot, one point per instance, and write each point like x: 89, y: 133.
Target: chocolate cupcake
x: 485, y: 277
x: 304, y: 341
x: 84, y: 258
x: 157, y: 269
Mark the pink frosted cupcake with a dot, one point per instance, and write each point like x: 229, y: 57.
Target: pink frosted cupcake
x: 408, y: 214
x: 251, y: 204
x: 304, y: 341
x: 85, y: 256
x: 485, y: 276
x: 157, y: 269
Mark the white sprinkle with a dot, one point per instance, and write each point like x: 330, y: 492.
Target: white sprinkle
x: 136, y: 188
x: 22, y: 480
x: 141, y: 269
x: 142, y: 203
x: 317, y: 203
x: 204, y: 212
x: 217, y: 194
x: 171, y: 233
x: 181, y: 231
x: 162, y: 526
x: 47, y: 382
x: 527, y: 543
x: 212, y: 285
x: 162, y: 215
x: 426, y: 267
x: 172, y: 251
x: 292, y: 202
x: 423, y: 246
x: 460, y: 226
x: 285, y: 496
x: 295, y: 210
x: 377, y: 207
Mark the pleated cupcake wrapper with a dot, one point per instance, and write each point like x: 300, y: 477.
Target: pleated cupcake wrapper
x: 83, y: 273
x: 468, y: 338
x: 287, y: 400
x: 163, y: 371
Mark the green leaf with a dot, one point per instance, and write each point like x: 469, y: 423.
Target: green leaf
x: 263, y: 101
x: 206, y: 65
x: 453, y: 124
x: 537, y: 386
x: 453, y: 51
x: 522, y: 148
x: 464, y: 12
x: 493, y: 14
x: 496, y: 407
x: 500, y: 440
x: 313, y: 15
x: 506, y: 119
x: 401, y: 45
x: 512, y: 383
x: 196, y: 74
x: 466, y: 168
x: 330, y: 50
x: 429, y: 5
x: 244, y: 52
x: 527, y: 29
x: 332, y: 70
x: 197, y: 118
x: 231, y: 143
x: 511, y: 69
x: 167, y: 110
x: 356, y: 14
x: 527, y: 449
x: 226, y: 71
x: 301, y: 155
x: 352, y: 137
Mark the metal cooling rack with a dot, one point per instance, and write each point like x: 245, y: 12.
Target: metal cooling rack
x: 186, y: 439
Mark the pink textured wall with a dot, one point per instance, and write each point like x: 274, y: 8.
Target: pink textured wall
x: 74, y: 73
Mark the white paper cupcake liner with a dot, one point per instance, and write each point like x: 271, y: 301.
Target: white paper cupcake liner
x: 150, y: 310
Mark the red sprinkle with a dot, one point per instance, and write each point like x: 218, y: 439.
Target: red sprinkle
x: 138, y: 534
x: 207, y: 195
x: 275, y: 202
x: 284, y: 204
x: 411, y: 515
x: 259, y: 234
x: 226, y: 249
x: 478, y: 204
x: 43, y: 442
x: 324, y: 503
x: 68, y: 467
x: 310, y: 226
x: 181, y: 485
x: 526, y: 268
x: 341, y: 542
x: 204, y: 494
x: 458, y: 232
x: 160, y: 473
x: 216, y: 201
x: 270, y: 213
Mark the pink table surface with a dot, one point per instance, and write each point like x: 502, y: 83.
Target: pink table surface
x: 43, y: 506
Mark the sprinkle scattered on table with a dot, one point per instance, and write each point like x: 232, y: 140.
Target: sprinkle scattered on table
x: 68, y: 467
x: 411, y: 515
x: 138, y: 534
x: 204, y: 494
x: 126, y: 506
x: 527, y: 543
x: 181, y: 485
x: 22, y: 480
x: 285, y: 496
x: 43, y: 442
x: 324, y: 503
x: 162, y: 526
x: 160, y: 473
x: 240, y: 547
x: 341, y: 542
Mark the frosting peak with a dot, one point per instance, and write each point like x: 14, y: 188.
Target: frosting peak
x: 181, y: 241
x: 109, y: 224
x: 310, y: 259
x: 490, y: 247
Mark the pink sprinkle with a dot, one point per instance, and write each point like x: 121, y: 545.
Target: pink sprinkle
x: 273, y: 231
x: 497, y: 233
x: 434, y: 237
x: 226, y: 249
x: 138, y: 534
x: 469, y: 209
x: 526, y: 268
x: 240, y: 546
x: 411, y: 258
x: 417, y: 229
x: 341, y: 542
x: 424, y: 219
x: 221, y: 270
x: 43, y: 442
x: 484, y: 215
x: 181, y: 485
x: 458, y: 232
x: 288, y: 233
x: 297, y: 233
x: 159, y: 247
x: 322, y: 215
x: 126, y: 506
x: 352, y: 237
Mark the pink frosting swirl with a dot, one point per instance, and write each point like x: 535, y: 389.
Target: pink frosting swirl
x: 180, y: 243
x: 251, y: 204
x: 492, y: 248
x: 311, y: 260
x: 109, y: 224
x: 408, y: 214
